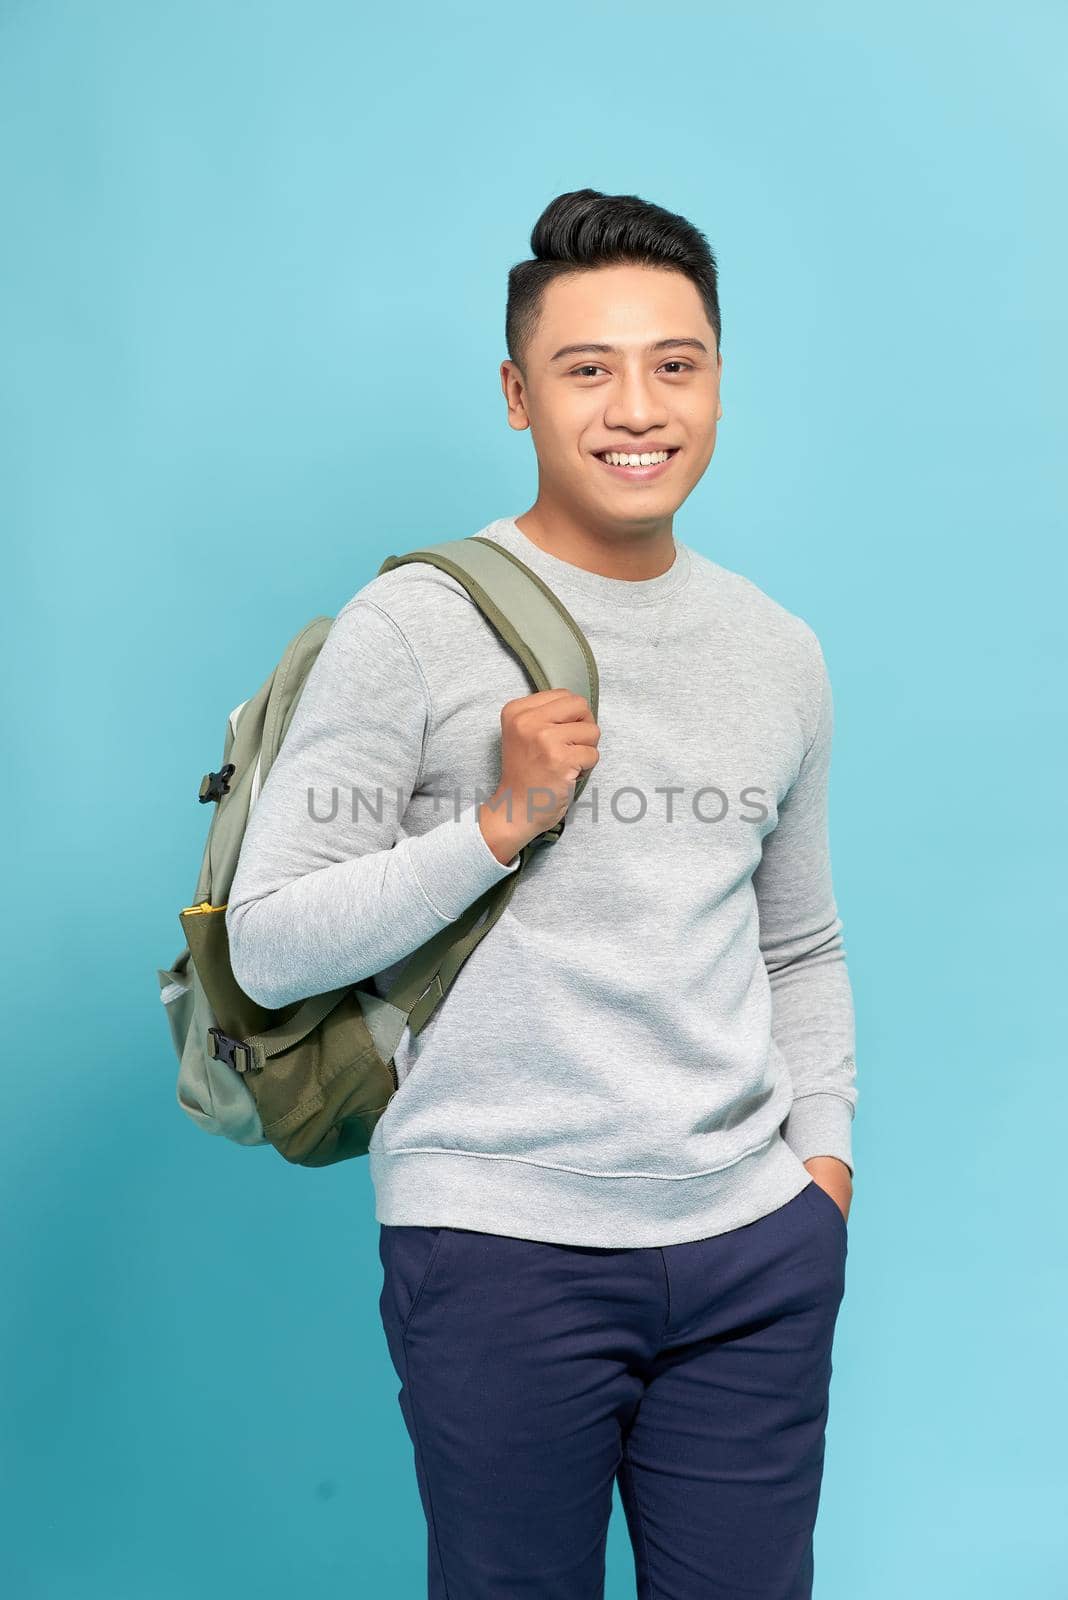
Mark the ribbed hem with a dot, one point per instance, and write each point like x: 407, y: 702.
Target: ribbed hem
x: 820, y: 1125
x: 496, y: 1194
x: 453, y: 864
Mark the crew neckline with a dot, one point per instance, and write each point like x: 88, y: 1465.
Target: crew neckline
x: 565, y: 574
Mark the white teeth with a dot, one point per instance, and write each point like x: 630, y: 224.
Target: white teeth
x: 650, y: 458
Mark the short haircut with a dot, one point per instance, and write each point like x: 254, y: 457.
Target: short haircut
x: 585, y: 229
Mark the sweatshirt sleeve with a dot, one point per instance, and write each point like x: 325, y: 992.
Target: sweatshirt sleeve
x: 802, y: 945
x: 325, y: 894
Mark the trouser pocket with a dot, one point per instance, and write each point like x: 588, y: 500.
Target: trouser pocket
x: 408, y: 1255
x: 823, y: 1201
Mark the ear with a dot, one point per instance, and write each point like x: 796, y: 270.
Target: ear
x: 512, y: 388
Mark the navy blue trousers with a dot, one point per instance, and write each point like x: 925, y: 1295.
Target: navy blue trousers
x: 535, y: 1376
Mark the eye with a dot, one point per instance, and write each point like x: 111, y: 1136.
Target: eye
x: 577, y: 372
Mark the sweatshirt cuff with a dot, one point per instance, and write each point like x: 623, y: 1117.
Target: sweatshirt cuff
x: 820, y: 1125
x: 453, y: 864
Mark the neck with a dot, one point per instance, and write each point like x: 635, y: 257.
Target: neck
x: 634, y: 552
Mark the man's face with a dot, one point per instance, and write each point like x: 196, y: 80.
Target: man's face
x: 656, y: 387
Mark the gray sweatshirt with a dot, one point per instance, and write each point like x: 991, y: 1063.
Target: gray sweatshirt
x: 659, y: 1029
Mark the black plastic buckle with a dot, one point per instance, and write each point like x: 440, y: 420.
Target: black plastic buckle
x: 223, y: 1048
x: 214, y: 785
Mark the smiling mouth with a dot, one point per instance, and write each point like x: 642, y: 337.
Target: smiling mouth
x: 638, y: 471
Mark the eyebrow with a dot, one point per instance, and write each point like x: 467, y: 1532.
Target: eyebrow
x: 614, y: 350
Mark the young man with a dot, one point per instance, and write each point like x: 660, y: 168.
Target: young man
x: 613, y: 1184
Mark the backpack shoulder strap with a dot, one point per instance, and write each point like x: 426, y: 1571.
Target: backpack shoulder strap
x: 529, y: 617
x: 537, y: 626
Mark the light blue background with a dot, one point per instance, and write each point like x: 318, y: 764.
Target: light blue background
x: 253, y: 298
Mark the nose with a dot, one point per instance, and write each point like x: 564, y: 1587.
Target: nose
x: 635, y: 407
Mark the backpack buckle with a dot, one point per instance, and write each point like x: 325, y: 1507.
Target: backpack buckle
x: 223, y: 1048
x: 214, y: 785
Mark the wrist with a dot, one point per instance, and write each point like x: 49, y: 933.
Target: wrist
x: 503, y: 837
x: 833, y: 1163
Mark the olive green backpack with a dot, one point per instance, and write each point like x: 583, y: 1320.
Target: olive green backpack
x: 313, y: 1078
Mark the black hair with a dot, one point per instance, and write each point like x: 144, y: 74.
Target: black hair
x: 585, y: 229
